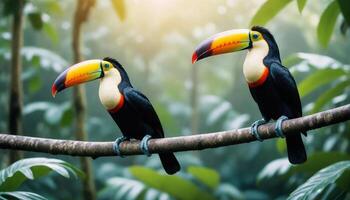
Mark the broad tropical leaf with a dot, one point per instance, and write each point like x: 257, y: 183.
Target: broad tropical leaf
x: 281, y: 145
x: 345, y: 9
x: 20, y: 195
x: 51, y: 32
x: 36, y: 20
x: 327, y: 22
x: 37, y: 106
x: 228, y: 191
x: 301, y: 5
x: 328, y: 95
x: 319, y: 160
x: 206, y: 175
x: 125, y: 188
x: 49, y: 59
x: 54, y: 113
x: 173, y: 185
x: 314, y: 60
x: 318, y: 79
x: 314, y: 187
x: 274, y: 168
x: 344, y: 27
x: 31, y: 168
x: 35, y: 83
x: 268, y: 10
x: 315, y: 162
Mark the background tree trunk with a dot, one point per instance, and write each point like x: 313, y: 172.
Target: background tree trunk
x: 82, y: 9
x: 194, y: 100
x: 15, y: 101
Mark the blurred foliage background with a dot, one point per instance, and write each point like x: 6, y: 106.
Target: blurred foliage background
x: 154, y: 41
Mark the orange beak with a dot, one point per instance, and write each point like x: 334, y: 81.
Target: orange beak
x: 225, y: 42
x: 79, y: 73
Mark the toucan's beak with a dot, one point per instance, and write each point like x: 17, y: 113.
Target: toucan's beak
x: 225, y: 42
x: 79, y: 73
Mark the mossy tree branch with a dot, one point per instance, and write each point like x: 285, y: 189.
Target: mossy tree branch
x: 174, y: 144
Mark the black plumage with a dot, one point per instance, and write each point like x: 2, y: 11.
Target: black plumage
x: 137, y: 117
x: 279, y: 95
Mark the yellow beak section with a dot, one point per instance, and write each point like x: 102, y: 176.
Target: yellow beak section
x: 225, y: 42
x: 79, y: 73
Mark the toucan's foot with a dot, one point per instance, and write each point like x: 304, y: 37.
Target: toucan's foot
x: 117, y: 143
x: 254, y: 128
x: 144, y: 145
x: 278, y: 126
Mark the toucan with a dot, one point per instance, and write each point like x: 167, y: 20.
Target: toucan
x: 131, y: 110
x: 270, y: 83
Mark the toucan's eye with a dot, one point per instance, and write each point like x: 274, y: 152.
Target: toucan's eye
x: 106, y: 65
x: 255, y: 36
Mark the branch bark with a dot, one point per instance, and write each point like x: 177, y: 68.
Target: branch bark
x: 174, y: 144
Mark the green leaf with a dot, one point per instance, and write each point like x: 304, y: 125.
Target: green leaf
x: 52, y: 59
x: 51, y: 32
x: 327, y: 22
x: 36, y: 20
x: 52, y: 6
x: 35, y: 84
x: 301, y: 5
x: 344, y: 27
x: 20, y: 195
x: 56, y: 113
x: 36, y: 61
x: 228, y: 191
x: 275, y: 168
x: 32, y: 168
x: 268, y: 10
x: 291, y: 60
x: 318, y: 79
x: 314, y: 60
x: 281, y: 145
x: 327, y: 96
x: 125, y: 188
x: 344, y: 181
x: 319, y: 160
x: 165, y: 116
x: 208, y: 176
x: 173, y: 185
x: 345, y: 9
x: 36, y: 106
x: 314, y: 186
x: 315, y: 162
x: 119, y: 8
x: 67, y: 117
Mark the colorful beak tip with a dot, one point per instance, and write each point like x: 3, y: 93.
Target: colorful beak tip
x: 53, y: 90
x: 194, y: 57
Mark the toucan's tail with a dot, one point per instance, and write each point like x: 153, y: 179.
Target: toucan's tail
x: 169, y: 162
x: 296, y: 149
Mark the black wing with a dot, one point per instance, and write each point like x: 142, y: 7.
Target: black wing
x: 286, y: 86
x: 140, y: 103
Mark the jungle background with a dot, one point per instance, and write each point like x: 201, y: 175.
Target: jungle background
x: 154, y: 41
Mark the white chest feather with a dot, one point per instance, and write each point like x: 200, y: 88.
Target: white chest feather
x: 253, y: 67
x: 108, y: 90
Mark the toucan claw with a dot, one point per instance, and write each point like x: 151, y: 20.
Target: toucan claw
x: 254, y: 128
x: 278, y: 126
x: 116, y: 145
x: 144, y: 145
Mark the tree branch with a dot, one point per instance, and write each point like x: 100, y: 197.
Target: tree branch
x: 174, y: 144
